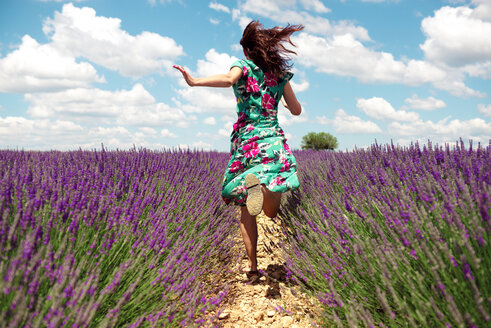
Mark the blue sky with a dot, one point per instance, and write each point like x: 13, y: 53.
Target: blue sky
x: 78, y: 74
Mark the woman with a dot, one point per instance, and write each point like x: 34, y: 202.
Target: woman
x: 261, y: 166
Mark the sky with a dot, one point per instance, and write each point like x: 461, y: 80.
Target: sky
x: 83, y: 74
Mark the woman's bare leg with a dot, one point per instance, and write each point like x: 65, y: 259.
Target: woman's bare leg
x: 248, y: 228
x: 271, y: 203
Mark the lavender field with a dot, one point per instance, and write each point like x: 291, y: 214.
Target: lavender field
x: 394, y: 237
x: 120, y: 238
x: 384, y: 237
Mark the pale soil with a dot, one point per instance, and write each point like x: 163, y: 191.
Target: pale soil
x: 270, y: 302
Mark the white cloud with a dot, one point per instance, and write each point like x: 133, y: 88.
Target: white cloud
x: 381, y: 109
x: 94, y: 106
x: 300, y: 87
x: 201, y: 145
x: 337, y: 48
x: 344, y: 123
x: 148, y: 131
x: 455, y: 37
x: 33, y: 67
x: 285, y: 118
x: 315, y: 5
x: 210, y: 120
x: 167, y: 134
x: 344, y: 55
x: 214, y: 21
x: 45, y: 134
x: 484, y: 109
x: 212, y: 100
x: 219, y: 7
x: 78, y: 32
x: 445, y: 130
x: 293, y: 12
x: 459, y: 36
x: 429, y: 103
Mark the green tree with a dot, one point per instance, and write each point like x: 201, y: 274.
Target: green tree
x: 321, y: 140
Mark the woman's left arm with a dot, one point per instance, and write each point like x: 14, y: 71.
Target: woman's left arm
x: 217, y: 81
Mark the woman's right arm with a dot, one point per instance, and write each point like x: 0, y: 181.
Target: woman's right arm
x: 291, y: 100
x: 218, y: 81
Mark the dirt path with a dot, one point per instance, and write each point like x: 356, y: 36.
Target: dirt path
x: 271, y: 302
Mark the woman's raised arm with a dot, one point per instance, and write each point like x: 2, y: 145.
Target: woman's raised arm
x: 217, y: 81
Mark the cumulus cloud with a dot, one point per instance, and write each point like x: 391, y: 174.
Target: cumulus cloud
x: 381, y: 109
x: 294, y: 12
x: 79, y: 32
x: 46, y: 134
x: 285, y: 118
x: 94, y: 106
x: 34, y: 67
x: 201, y: 145
x: 444, y: 130
x: 219, y: 7
x: 211, y: 100
x: 78, y: 38
x: 315, y: 5
x: 344, y: 55
x: 350, y: 124
x: 338, y: 47
x: 167, y: 134
x: 484, y: 109
x: 429, y: 103
x: 210, y: 120
x: 458, y: 38
x: 301, y: 86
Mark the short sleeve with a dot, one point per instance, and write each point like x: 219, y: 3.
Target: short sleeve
x: 287, y: 76
x: 237, y: 63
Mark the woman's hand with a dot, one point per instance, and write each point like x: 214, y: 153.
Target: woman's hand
x: 189, y: 79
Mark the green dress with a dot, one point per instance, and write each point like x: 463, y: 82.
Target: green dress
x: 258, y: 144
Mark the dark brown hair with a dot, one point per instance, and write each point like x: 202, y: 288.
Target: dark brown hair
x: 265, y: 46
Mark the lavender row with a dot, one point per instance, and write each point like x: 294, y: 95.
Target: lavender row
x: 394, y: 236
x: 106, y: 238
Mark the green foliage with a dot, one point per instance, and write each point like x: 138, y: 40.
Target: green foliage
x: 318, y: 141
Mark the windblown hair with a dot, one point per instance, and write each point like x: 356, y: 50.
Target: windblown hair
x: 265, y: 46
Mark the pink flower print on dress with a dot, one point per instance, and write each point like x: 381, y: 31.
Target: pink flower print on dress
x: 287, y: 148
x: 255, y: 138
x: 244, y: 71
x: 266, y: 160
x: 270, y: 80
x: 252, y: 86
x: 250, y: 127
x: 240, y: 121
x: 279, y: 180
x: 250, y: 149
x: 236, y: 166
x: 286, y: 166
x: 268, y: 102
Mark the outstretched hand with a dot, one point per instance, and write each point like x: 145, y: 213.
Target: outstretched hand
x: 189, y: 79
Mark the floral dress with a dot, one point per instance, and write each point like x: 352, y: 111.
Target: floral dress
x: 258, y: 144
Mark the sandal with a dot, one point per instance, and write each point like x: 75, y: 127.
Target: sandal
x: 253, y: 276
x: 254, y: 201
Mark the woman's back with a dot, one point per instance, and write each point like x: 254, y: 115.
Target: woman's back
x: 258, y: 95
